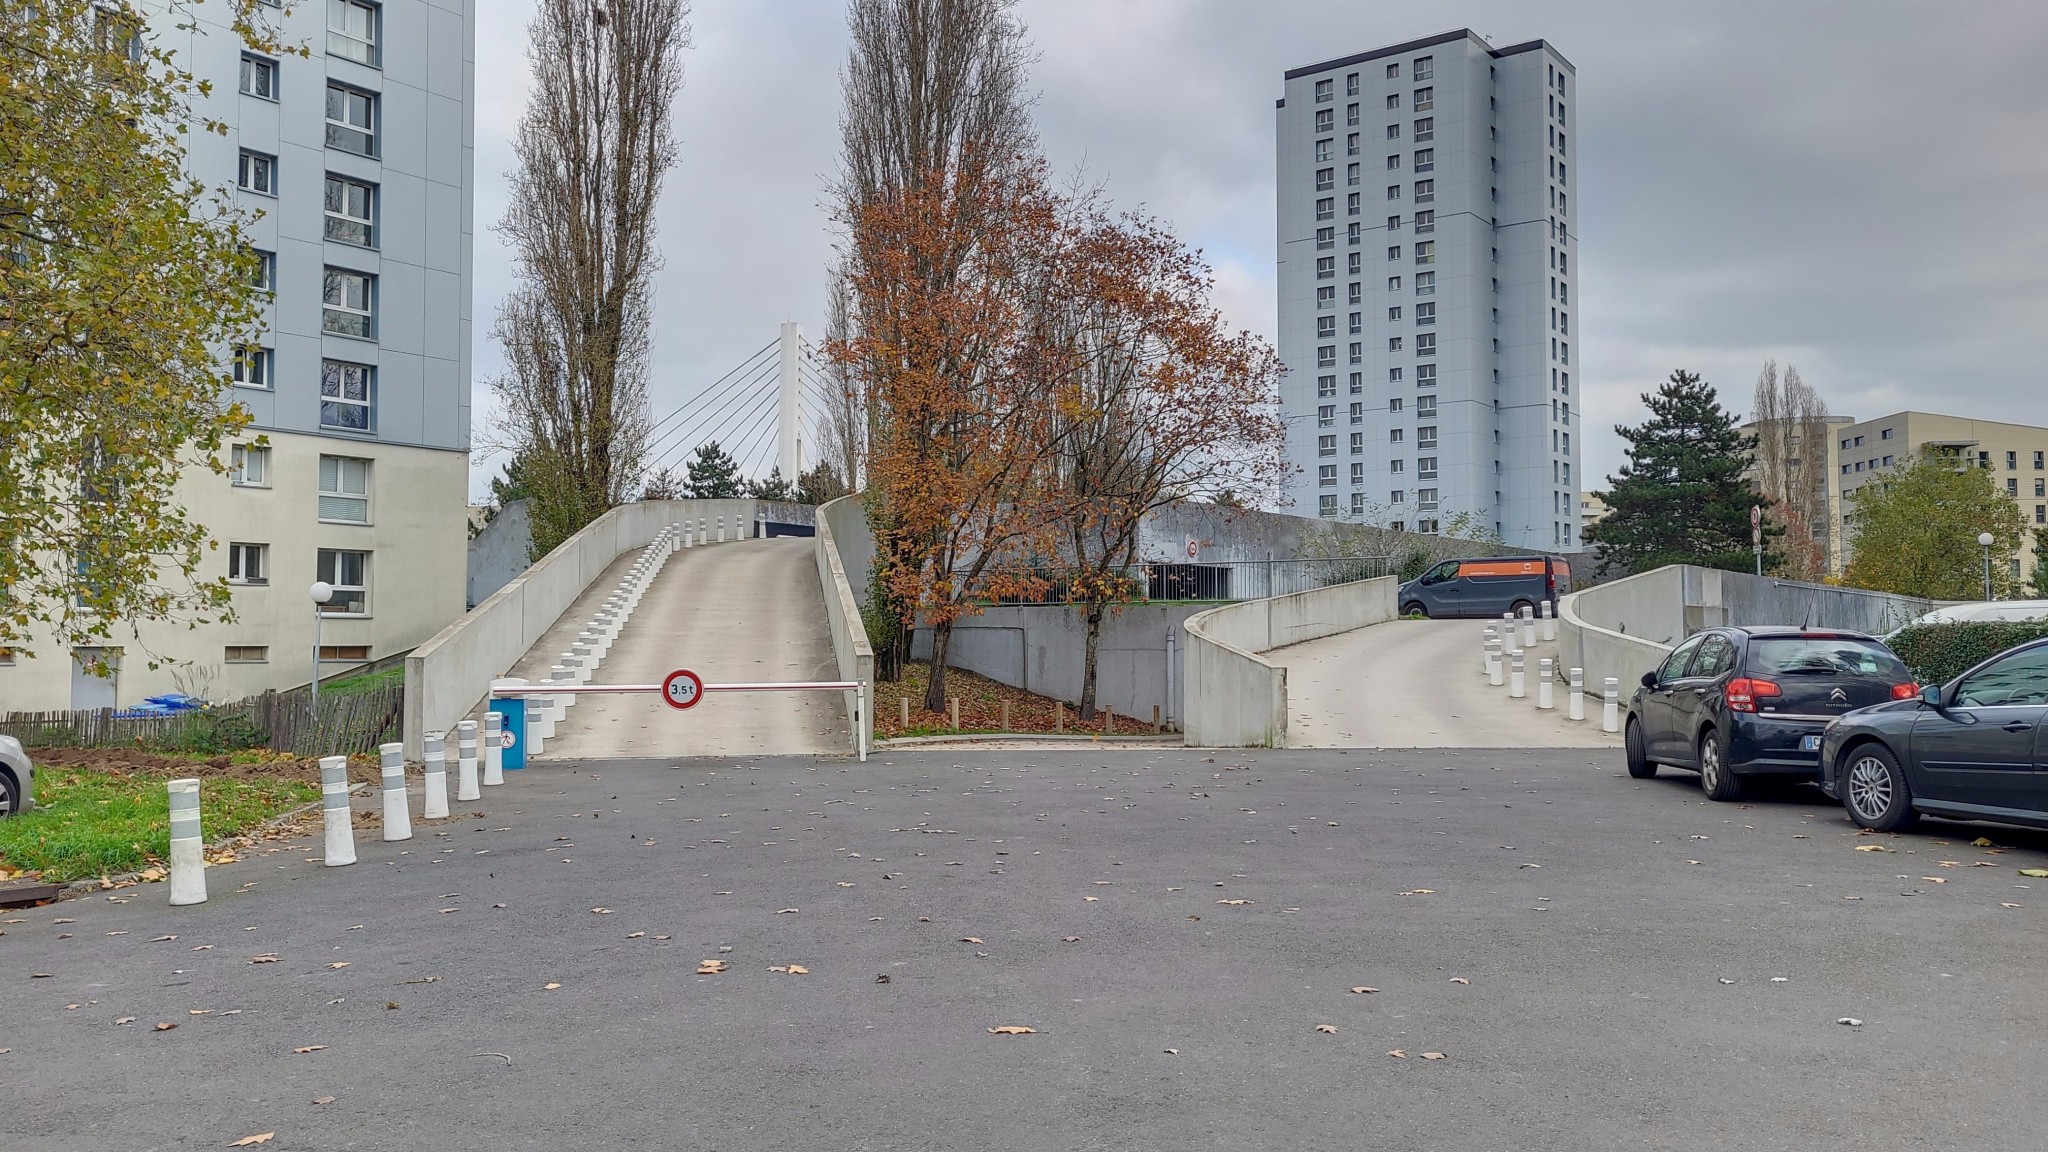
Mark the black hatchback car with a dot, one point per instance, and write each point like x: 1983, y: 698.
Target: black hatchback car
x: 1736, y: 702
x: 1975, y: 748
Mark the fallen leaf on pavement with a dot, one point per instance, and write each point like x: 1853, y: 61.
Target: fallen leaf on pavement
x: 1362, y: 990
x: 125, y: 1020
x: 203, y: 948
x: 323, y: 1099
x: 1398, y: 1054
x: 1070, y: 939
x: 549, y: 987
x: 602, y: 911
x: 792, y: 969
x: 2003, y: 904
x: 338, y: 964
x: 970, y: 939
x: 161, y: 939
x: 266, y: 958
x: 1459, y: 980
x: 1233, y: 902
x: 1092, y: 899
x: 784, y: 911
x: 2036, y: 873
x: 259, y: 1138
x: 1851, y: 1021
x: 883, y: 978
x: 1012, y: 1030
x: 310, y: 1048
x: 1420, y: 892
x: 1331, y: 1028
x: 1872, y: 848
x: 635, y: 935
x: 164, y: 1026
x: 1979, y: 842
x: 710, y: 967
x: 1432, y: 1055
x: 199, y: 1012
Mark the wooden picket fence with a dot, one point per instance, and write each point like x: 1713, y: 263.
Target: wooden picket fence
x: 356, y: 722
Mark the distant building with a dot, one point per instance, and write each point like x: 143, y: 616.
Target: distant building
x: 1427, y: 288
x: 359, y: 158
x: 2016, y: 455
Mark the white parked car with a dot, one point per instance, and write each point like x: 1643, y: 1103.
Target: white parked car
x: 17, y: 778
x: 1983, y: 610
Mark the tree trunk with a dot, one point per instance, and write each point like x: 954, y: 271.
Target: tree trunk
x: 935, y: 693
x: 1088, y: 661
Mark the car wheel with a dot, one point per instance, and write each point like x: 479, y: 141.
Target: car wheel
x: 10, y: 795
x: 1414, y: 608
x: 1715, y: 778
x: 1521, y: 606
x: 1640, y: 765
x: 1874, y: 790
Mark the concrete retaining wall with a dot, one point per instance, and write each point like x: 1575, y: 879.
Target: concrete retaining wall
x: 446, y: 677
x: 1232, y: 698
x: 842, y: 609
x: 1042, y: 648
x: 499, y: 553
x: 1626, y: 627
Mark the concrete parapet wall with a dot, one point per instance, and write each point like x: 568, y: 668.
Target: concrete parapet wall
x: 1043, y: 648
x: 1234, y: 698
x: 446, y: 677
x: 842, y: 606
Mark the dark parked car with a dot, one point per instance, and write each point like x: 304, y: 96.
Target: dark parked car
x: 1485, y: 587
x: 1973, y: 749
x: 1736, y: 702
x: 17, y: 778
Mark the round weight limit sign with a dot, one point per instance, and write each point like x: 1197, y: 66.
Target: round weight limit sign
x: 682, y: 688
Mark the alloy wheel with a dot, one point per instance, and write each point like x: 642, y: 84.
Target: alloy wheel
x: 1870, y: 787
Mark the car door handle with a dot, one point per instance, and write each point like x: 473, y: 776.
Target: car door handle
x: 1699, y: 691
x: 2017, y: 726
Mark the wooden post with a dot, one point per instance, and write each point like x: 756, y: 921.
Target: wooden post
x: 1108, y: 722
x: 1155, y: 720
x: 953, y: 712
x: 1059, y: 716
x: 1006, y: 715
x: 903, y: 712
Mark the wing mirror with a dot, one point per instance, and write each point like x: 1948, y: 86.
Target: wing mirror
x: 1931, y: 695
x: 1649, y: 679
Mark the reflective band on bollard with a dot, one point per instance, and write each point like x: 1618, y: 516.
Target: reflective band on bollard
x: 1546, y: 671
x: 1610, y: 710
x: 538, y: 726
x: 494, y: 749
x: 1528, y: 629
x: 1549, y: 622
x: 1518, y: 681
x: 397, y: 815
x: 1496, y: 674
x: 465, y: 761
x: 1486, y: 640
x: 188, y: 850
x: 1578, y: 695
x: 435, y: 807
x: 562, y: 674
x: 341, y: 832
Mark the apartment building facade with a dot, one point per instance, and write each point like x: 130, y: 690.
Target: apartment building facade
x: 1426, y: 273
x: 2016, y: 456
x: 358, y: 159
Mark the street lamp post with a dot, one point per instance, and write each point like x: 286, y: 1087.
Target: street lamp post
x: 1986, y: 539
x: 321, y: 592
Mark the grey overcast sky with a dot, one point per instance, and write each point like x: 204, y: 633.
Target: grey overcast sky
x: 1858, y: 189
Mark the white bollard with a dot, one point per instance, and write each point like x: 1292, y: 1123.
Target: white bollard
x: 1486, y: 640
x: 586, y: 661
x: 1549, y: 622
x: 703, y: 533
x: 1528, y: 629
x: 1610, y: 709
x: 494, y: 749
x: 563, y: 673
x: 397, y: 814
x: 1578, y: 694
x: 538, y: 726
x: 1496, y: 672
x: 465, y: 762
x: 721, y: 529
x: 188, y: 850
x: 435, y: 806
x: 1518, y: 680
x: 686, y: 538
x: 341, y: 829
x: 1546, y: 672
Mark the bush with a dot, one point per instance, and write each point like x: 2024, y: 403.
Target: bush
x: 1938, y: 653
x: 211, y: 733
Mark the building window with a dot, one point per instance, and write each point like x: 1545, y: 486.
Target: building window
x: 1393, y: 191
x: 1425, y: 468
x: 1393, y: 131
x: 1351, y: 112
x: 1326, y: 208
x: 1326, y: 120
x: 1326, y: 356
x: 1427, y: 526
x: 1395, y: 405
x: 1425, y: 436
x: 254, y: 366
x: 1394, y: 313
x: 248, y: 563
x: 1351, y: 144
x: 1424, y: 68
x: 1357, y: 477
x: 1393, y: 101
x: 1393, y: 252
x: 349, y: 574
x: 1356, y: 263
x: 1425, y: 313
x: 2012, y: 487
x: 1326, y: 267
x: 1326, y: 327
x: 1358, y: 503
x: 1357, y: 294
x: 349, y: 300
x: 2012, y: 461
x: 1353, y: 234
x: 245, y: 654
x: 2039, y: 459
x: 1397, y: 496
x: 1326, y: 445
x: 1425, y: 252
x: 1357, y: 443
x: 1357, y: 353
x: 1425, y: 283
x: 2040, y: 486
x: 1357, y: 383
x: 352, y: 30
x: 1425, y: 406
x: 1397, y: 467
x: 1326, y: 475
x: 1425, y: 376
x: 351, y: 120
x: 1393, y: 375
x: 344, y: 490
x: 249, y: 466
x: 2041, y: 513
x: 351, y: 211
x: 1326, y: 150
x: 1394, y: 161
x: 1425, y: 221
x: 265, y: 276
x: 258, y: 173
x: 1358, y: 413
x: 1326, y: 504
x: 1351, y: 84
x: 259, y: 77
x: 1357, y: 324
x: 1393, y: 343
x: 1425, y: 344
x: 1326, y: 296
x: 348, y: 394
x: 1326, y: 238
x: 1326, y: 385
x: 1425, y: 191
x: 1425, y: 99
x: 1425, y: 160
x: 344, y: 653
x: 1425, y: 129
x: 1351, y: 175
x: 1326, y: 179
x: 1393, y: 71
x: 1324, y: 90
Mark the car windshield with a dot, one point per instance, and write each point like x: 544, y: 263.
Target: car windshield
x: 1824, y: 656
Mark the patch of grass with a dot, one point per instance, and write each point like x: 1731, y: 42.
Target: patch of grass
x: 89, y: 822
x: 365, y: 682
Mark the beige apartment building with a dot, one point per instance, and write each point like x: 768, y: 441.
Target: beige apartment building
x: 2016, y: 455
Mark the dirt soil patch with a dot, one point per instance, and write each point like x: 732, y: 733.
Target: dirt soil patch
x: 238, y: 766
x: 981, y: 708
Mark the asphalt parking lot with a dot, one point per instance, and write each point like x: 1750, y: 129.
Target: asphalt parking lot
x: 1601, y: 963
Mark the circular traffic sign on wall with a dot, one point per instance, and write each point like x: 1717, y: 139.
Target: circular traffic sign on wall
x: 682, y: 688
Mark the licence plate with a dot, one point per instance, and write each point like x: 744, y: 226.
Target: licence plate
x: 1809, y: 743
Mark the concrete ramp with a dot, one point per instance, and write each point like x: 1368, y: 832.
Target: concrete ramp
x: 1419, y: 684
x: 749, y: 610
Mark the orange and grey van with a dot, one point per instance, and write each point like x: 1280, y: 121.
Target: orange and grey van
x: 1486, y: 587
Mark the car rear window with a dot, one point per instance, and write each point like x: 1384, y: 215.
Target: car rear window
x: 1817, y: 655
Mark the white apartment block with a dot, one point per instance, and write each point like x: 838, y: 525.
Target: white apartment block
x: 360, y: 159
x: 1427, y: 281
x: 2016, y: 455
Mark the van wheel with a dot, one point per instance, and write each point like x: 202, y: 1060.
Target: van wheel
x: 1715, y: 778
x: 1521, y: 606
x: 1414, y: 608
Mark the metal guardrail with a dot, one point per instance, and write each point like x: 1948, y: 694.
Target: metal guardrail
x: 1212, y: 580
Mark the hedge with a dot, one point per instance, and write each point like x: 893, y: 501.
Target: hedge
x: 1938, y: 653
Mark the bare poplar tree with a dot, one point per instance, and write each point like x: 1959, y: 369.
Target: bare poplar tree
x: 1791, y: 463
x: 593, y: 147
x: 934, y: 112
